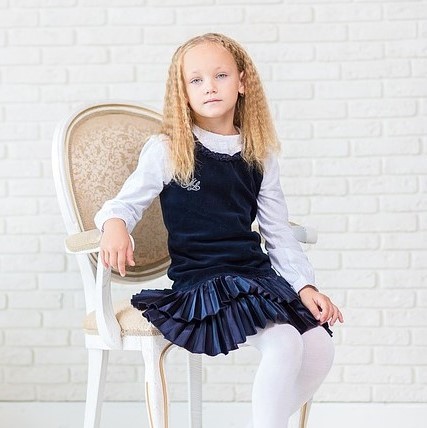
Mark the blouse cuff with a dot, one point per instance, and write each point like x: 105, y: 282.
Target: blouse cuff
x: 102, y: 216
x: 297, y: 275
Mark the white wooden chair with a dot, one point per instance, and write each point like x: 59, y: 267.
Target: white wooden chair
x: 94, y: 150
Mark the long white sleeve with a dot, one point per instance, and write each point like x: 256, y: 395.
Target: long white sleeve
x: 141, y: 187
x: 285, y: 252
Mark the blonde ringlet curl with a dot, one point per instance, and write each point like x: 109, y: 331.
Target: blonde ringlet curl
x: 252, y: 114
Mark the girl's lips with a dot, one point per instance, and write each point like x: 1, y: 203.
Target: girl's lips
x: 212, y: 101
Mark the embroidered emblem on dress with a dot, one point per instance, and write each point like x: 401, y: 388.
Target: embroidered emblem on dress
x: 194, y: 184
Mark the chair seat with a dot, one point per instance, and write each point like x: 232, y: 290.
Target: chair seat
x: 131, y: 321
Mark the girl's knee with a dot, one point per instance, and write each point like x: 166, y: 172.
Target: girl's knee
x: 317, y: 341
x: 281, y: 342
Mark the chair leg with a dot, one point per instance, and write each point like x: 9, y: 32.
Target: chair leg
x: 303, y: 414
x: 97, y: 370
x: 195, y: 389
x: 154, y: 350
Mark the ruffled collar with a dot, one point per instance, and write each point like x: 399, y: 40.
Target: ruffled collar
x: 224, y: 144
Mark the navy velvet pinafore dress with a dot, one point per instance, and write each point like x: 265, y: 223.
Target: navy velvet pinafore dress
x: 223, y: 284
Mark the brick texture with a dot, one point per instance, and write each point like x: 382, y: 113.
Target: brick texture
x: 344, y: 80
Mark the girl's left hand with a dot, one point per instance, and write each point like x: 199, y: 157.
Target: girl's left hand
x: 320, y: 305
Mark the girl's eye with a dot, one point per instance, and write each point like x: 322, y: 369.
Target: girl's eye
x: 221, y: 75
x: 196, y: 80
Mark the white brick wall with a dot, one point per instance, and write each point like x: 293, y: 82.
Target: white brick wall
x: 344, y: 80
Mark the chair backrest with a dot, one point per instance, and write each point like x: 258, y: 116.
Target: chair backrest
x: 102, y: 144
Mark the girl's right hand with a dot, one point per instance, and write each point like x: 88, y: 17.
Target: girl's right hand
x: 320, y: 305
x: 116, y: 247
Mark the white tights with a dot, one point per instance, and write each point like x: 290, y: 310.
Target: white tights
x: 292, y: 368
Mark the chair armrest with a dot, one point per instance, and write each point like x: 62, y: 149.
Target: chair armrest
x: 86, y: 242
x: 304, y: 234
x: 83, y: 242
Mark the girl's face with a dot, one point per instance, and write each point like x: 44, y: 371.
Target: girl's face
x: 213, y: 83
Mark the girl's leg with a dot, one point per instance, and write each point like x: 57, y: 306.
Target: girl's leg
x: 292, y: 367
x: 317, y: 360
x: 281, y: 348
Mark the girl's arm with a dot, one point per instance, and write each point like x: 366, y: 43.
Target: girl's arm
x: 285, y: 252
x: 118, y: 216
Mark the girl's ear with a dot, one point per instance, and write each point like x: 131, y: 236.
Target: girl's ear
x: 241, y: 84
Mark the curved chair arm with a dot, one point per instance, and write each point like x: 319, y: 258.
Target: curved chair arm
x: 108, y: 327
x: 107, y: 324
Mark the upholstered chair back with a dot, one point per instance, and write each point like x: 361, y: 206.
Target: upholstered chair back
x: 103, y: 145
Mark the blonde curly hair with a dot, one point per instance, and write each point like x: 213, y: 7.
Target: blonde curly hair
x: 252, y: 115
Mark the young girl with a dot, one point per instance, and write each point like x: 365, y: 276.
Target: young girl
x: 215, y: 168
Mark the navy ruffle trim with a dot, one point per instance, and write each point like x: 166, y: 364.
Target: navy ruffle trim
x: 218, y: 314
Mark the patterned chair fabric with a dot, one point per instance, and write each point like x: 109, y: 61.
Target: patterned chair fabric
x: 116, y: 137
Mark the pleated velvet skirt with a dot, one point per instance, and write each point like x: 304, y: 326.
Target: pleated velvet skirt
x: 215, y: 316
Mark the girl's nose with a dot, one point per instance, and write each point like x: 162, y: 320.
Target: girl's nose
x: 210, y: 88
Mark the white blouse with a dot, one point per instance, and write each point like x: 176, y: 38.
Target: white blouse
x: 153, y: 172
